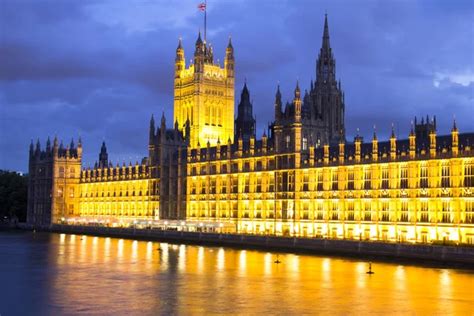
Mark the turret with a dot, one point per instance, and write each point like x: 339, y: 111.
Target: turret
x: 180, y: 63
x: 163, y: 127
x: 455, y: 139
x: 393, y: 145
x: 55, y: 146
x: 79, y: 148
x: 375, y: 147
x: 229, y: 62
x: 252, y: 145
x: 48, y: 146
x: 151, y: 136
x: 264, y: 142
x: 326, y: 153
x: 412, y: 143
x: 341, y: 151
x: 199, y: 55
x: 38, y: 148
x: 297, y: 103
x: 278, y: 104
x: 357, y: 145
x: 218, y: 148
x: 229, y: 148
x: 103, y: 156
x: 432, y: 143
x: 187, y: 130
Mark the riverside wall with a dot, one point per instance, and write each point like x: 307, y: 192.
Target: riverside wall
x: 417, y: 253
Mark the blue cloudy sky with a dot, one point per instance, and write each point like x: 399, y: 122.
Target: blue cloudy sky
x: 99, y: 69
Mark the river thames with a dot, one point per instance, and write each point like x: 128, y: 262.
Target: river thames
x: 56, y: 274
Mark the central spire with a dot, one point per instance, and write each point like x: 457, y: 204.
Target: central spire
x: 326, y: 46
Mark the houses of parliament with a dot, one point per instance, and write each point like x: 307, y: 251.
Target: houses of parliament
x: 209, y: 171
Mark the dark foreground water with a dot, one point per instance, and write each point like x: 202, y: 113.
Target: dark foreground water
x: 55, y: 274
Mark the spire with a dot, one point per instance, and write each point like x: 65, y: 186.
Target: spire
x: 278, y: 94
x: 180, y: 44
x: 152, y: 124
x: 163, y: 119
x: 393, y: 131
x: 229, y: 45
x: 455, y: 128
x: 326, y: 44
x: 48, y: 144
x: 199, y: 40
x: 278, y: 104
x: 297, y: 91
x: 71, y: 146
x: 103, y: 156
x: 245, y: 92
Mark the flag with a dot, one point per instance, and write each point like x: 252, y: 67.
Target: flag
x: 202, y: 6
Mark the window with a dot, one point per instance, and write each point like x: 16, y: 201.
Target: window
x: 424, y: 214
x: 72, y: 173
x: 61, y: 172
x: 367, y: 178
x: 385, y: 178
x: 305, y: 182
x: 305, y: 143
x: 385, y: 212
x: 404, y: 212
x: 350, y: 180
x: 469, y: 212
x: 424, y: 177
x: 367, y: 213
x: 320, y: 214
x: 71, y: 192
x: 213, y: 186
x: 320, y: 180
x: 334, y: 179
x: 246, y: 184
x: 469, y: 174
x: 350, y: 210
x: 404, y: 177
x: 445, y: 173
x: 334, y: 211
x: 234, y: 184
x: 445, y: 212
x: 287, y: 141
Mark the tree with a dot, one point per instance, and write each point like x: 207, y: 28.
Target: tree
x: 13, y: 195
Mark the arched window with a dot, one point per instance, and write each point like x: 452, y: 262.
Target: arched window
x: 61, y: 172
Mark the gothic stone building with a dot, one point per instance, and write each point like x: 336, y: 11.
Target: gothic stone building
x: 210, y: 172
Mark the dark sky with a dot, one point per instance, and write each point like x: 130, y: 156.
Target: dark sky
x: 99, y: 69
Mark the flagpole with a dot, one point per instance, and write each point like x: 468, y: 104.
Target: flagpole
x: 205, y: 20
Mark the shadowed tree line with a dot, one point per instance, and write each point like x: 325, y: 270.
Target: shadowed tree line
x: 13, y: 195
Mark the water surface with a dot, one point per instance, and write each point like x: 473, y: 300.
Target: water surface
x: 53, y: 274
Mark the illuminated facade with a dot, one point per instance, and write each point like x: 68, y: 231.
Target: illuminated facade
x: 302, y: 178
x: 204, y: 95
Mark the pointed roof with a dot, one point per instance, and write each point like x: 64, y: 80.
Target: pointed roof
x: 245, y: 90
x: 199, y: 40
x: 297, y: 90
x: 229, y: 45
x: 180, y: 46
x: 326, y: 45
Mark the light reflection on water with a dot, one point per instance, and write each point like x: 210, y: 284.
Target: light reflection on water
x: 80, y: 274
